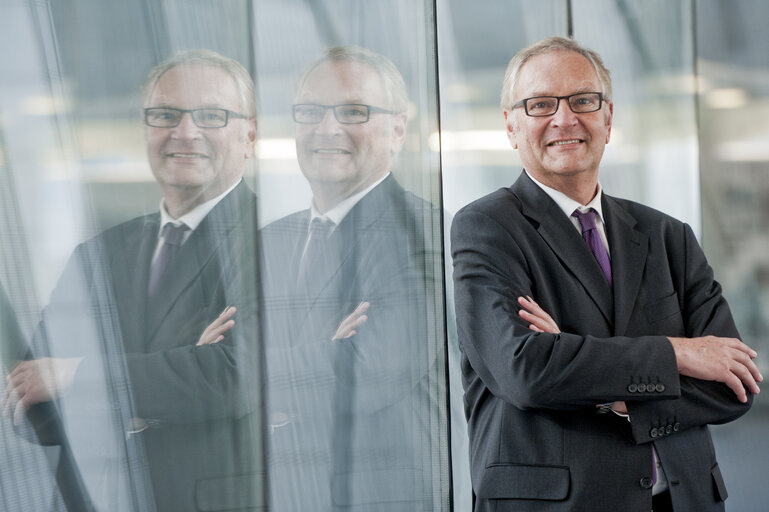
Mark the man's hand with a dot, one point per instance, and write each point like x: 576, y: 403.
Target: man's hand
x: 36, y: 381
x: 726, y: 360
x: 215, y: 331
x: 348, y: 328
x: 539, y: 320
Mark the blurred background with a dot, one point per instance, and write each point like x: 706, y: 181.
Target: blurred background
x: 690, y: 137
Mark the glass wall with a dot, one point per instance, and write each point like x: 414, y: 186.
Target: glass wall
x: 335, y: 384
x: 733, y: 94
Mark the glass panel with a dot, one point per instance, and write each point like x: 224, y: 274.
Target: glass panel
x: 356, y: 413
x: 474, y: 48
x: 734, y: 151
x: 648, y: 48
x: 129, y: 410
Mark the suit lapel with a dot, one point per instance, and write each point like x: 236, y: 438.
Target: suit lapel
x: 195, y: 254
x: 346, y: 238
x: 130, y: 269
x: 565, y: 242
x: 629, y: 249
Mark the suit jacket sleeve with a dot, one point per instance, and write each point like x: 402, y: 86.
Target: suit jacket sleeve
x: 705, y: 312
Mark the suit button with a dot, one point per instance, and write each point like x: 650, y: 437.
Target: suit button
x: 653, y: 432
x: 642, y: 388
x: 660, y: 387
x: 632, y: 388
x: 646, y: 482
x: 676, y: 426
x: 669, y: 429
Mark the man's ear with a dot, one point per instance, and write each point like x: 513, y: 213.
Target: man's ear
x: 609, y: 117
x: 400, y: 121
x: 250, y: 138
x: 510, y: 128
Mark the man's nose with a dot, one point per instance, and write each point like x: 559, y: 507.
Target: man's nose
x: 328, y: 123
x: 186, y: 127
x: 564, y: 114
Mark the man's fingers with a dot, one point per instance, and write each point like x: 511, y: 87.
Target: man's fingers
x: 214, y: 332
x: 746, y: 377
x: 735, y: 384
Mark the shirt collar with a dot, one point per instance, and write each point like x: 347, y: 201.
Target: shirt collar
x: 340, y: 211
x: 567, y: 204
x: 194, y: 217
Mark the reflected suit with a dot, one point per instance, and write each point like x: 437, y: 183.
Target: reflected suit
x: 536, y: 439
x: 201, y: 450
x: 354, y: 422
x: 44, y: 418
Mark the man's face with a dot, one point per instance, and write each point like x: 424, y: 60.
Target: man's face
x: 564, y: 144
x: 342, y: 159
x: 193, y: 163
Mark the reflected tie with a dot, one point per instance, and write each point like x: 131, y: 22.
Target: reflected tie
x: 172, y: 236
x: 315, y: 256
x: 594, y: 242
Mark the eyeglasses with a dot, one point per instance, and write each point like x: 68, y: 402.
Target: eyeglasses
x: 351, y: 113
x: 166, y: 117
x: 581, y: 103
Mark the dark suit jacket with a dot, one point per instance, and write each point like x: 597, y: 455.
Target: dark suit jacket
x: 536, y: 441
x: 356, y: 422
x: 203, y: 448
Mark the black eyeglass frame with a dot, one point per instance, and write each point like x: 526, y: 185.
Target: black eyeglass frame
x: 524, y: 103
x: 369, y: 110
x: 227, y: 115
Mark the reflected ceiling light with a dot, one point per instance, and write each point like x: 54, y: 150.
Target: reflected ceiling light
x: 461, y: 93
x: 43, y: 105
x: 751, y: 150
x: 469, y: 140
x: 276, y: 149
x: 683, y: 83
x: 726, y: 98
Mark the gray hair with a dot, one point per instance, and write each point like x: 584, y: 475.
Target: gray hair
x: 392, y: 80
x: 551, y: 44
x: 243, y: 81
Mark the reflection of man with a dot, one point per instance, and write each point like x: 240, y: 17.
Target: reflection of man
x: 348, y: 395
x: 156, y: 283
x: 632, y: 324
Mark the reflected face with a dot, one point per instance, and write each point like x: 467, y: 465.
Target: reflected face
x: 564, y: 144
x: 198, y: 163
x: 342, y: 159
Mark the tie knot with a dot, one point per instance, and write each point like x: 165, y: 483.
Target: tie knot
x: 321, y: 228
x: 586, y: 219
x: 172, y: 234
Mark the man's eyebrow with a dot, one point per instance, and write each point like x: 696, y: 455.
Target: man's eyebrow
x: 578, y: 90
x: 199, y: 107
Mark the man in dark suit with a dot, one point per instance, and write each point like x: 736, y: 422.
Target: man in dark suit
x: 157, y: 415
x: 354, y: 382
x: 597, y: 396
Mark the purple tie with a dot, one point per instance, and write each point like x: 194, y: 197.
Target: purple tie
x: 172, y: 239
x: 593, y: 240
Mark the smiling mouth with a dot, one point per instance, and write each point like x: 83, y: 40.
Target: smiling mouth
x: 323, y: 151
x: 564, y: 142
x: 185, y: 155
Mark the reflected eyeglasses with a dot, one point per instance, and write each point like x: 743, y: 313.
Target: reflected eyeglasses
x: 580, y: 103
x: 349, y: 113
x: 166, y: 117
